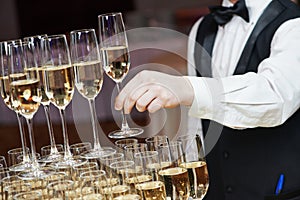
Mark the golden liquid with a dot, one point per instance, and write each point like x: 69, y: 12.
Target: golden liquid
x: 137, y: 179
x: 176, y: 181
x: 92, y: 197
x: 116, y: 62
x: 60, y: 85
x: 115, y: 191
x: 41, y: 73
x: 89, y: 78
x: 26, y: 96
x: 143, y: 178
x: 199, y: 180
x: 61, y: 191
x: 151, y: 190
x: 5, y: 91
x: 14, y: 188
x: 154, y: 168
x: 109, y: 182
x: 45, y: 100
x: 128, y: 197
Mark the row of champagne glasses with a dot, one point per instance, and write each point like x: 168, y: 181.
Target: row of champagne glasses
x: 50, y: 55
x: 25, y: 93
x: 86, y: 60
x: 61, y: 70
x: 5, y: 93
x: 162, y: 169
x: 116, y: 61
x: 23, y: 83
x: 45, y: 101
x: 157, y: 169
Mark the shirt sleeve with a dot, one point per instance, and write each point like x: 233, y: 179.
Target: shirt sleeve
x: 263, y: 99
x: 191, y: 69
x: 194, y: 124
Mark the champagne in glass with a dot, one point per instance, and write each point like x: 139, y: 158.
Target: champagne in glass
x: 148, y: 184
x: 124, y: 171
x: 176, y: 181
x: 92, y: 184
x: 6, y: 95
x: 25, y: 94
x: 152, y: 190
x: 62, y: 189
x: 59, y: 84
x: 45, y: 101
x: 116, y: 61
x: 176, y: 178
x: 85, y: 58
x: 195, y: 164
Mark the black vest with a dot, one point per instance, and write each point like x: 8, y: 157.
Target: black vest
x: 246, y: 164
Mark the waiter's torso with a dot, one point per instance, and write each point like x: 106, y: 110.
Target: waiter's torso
x: 245, y: 164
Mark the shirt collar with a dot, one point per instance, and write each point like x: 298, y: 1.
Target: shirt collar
x: 255, y: 7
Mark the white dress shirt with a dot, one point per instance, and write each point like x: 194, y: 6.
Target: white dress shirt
x: 263, y: 99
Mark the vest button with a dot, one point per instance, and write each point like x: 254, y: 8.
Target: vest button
x: 229, y: 189
x: 225, y: 154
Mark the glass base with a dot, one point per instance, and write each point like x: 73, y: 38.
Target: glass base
x: 70, y: 162
x: 97, y: 153
x: 35, y: 173
x: 132, y: 132
x: 51, y: 158
x: 21, y: 167
x: 26, y: 166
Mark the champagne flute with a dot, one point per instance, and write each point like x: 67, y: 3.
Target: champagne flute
x: 195, y: 163
x: 25, y: 94
x: 93, y: 183
x: 85, y: 58
x: 116, y: 61
x: 125, y: 171
x: 5, y: 93
x: 154, y: 141
x: 147, y: 181
x: 59, y: 84
x: 175, y: 177
x: 62, y: 189
x: 37, y: 42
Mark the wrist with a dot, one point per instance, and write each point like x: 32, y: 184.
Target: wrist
x: 187, y: 97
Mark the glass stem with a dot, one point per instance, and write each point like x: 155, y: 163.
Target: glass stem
x: 32, y: 144
x: 50, y: 130
x: 67, y: 155
x: 23, y: 139
x: 97, y: 145
x: 125, y: 126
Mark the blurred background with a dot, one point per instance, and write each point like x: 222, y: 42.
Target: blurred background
x: 19, y: 18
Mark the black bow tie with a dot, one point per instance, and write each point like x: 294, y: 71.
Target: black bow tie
x: 222, y: 14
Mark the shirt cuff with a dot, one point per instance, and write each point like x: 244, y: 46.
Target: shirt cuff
x: 202, y: 104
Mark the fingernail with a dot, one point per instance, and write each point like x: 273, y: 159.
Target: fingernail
x: 155, y: 108
x: 117, y: 106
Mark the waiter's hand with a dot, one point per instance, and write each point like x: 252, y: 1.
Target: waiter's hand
x: 151, y: 90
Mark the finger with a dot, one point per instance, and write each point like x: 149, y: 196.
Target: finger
x: 120, y: 99
x: 143, y: 102
x: 122, y: 96
x: 154, y: 106
x: 131, y: 99
x: 118, y: 103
